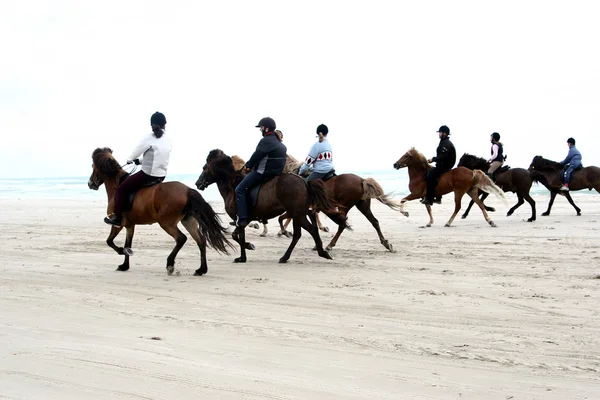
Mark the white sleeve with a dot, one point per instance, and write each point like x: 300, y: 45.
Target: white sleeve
x: 495, y: 152
x: 140, y: 148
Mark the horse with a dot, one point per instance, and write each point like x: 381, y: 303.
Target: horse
x: 459, y: 180
x: 166, y: 203
x: 516, y: 180
x: 549, y: 174
x: 284, y: 193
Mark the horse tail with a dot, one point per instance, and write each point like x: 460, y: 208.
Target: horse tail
x: 483, y: 182
x: 209, y: 222
x: 373, y: 190
x: 319, y: 201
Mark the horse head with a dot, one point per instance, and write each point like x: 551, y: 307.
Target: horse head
x: 472, y: 162
x: 218, y: 167
x: 410, y: 158
x: 539, y: 163
x: 104, y: 166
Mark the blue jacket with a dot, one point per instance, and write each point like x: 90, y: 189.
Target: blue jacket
x: 573, y: 158
x: 319, y: 157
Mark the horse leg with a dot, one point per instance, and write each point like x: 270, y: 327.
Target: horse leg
x: 313, y: 229
x: 127, y: 249
x: 520, y: 201
x: 191, y: 225
x: 410, y: 197
x: 473, y: 194
x: 457, y: 200
x: 552, y: 197
x: 428, y: 208
x: 265, y: 231
x: 110, y: 240
x: 531, y: 202
x: 283, y: 227
x: 239, y: 235
x: 571, y: 202
x: 467, y: 210
x: 180, y: 239
x: 340, y: 220
x: 364, y: 206
x: 320, y: 225
x: 482, y: 198
x: 297, y: 233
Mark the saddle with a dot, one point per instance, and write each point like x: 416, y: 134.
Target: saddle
x: 252, y: 194
x: 330, y: 174
x: 503, y: 168
x: 563, y: 172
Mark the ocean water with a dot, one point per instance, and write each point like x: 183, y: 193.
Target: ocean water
x: 392, y: 181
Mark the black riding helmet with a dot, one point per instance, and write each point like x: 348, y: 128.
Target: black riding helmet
x: 268, y: 123
x: 571, y: 140
x: 158, y: 119
x: 322, y: 129
x: 444, y: 129
x: 496, y: 136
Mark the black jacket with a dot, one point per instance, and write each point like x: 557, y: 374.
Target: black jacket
x: 446, y: 155
x: 269, y: 156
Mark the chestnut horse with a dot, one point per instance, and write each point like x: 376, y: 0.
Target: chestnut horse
x: 459, y: 180
x: 166, y: 203
x: 516, y: 180
x: 549, y: 174
x: 284, y: 193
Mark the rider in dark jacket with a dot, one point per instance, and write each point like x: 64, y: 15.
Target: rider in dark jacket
x: 267, y: 161
x: 444, y: 161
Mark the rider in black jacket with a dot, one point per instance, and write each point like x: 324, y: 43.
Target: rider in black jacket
x: 267, y: 161
x: 444, y: 161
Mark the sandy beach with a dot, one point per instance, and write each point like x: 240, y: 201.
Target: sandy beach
x: 468, y: 312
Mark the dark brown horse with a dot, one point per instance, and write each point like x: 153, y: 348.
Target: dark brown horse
x: 166, y: 203
x: 516, y: 180
x: 284, y: 193
x: 459, y: 180
x: 549, y: 174
x: 348, y: 191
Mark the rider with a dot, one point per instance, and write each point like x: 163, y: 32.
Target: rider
x: 497, y: 158
x: 319, y: 156
x: 574, y: 161
x: 444, y: 162
x: 156, y: 149
x: 267, y: 161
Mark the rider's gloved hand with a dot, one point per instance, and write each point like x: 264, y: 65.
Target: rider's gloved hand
x: 137, y: 161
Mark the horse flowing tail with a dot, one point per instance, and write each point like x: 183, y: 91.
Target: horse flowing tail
x: 210, y: 223
x: 483, y: 182
x: 319, y: 201
x: 372, y: 190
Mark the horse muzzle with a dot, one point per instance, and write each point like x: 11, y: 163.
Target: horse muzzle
x: 93, y: 185
x: 398, y: 166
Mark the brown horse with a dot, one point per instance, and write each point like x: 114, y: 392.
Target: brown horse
x: 459, y: 180
x: 285, y: 193
x: 166, y: 203
x: 549, y: 174
x: 516, y: 180
x: 348, y: 191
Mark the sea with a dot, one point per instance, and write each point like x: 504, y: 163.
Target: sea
x: 393, y: 182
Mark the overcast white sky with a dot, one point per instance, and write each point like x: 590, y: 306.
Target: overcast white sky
x: 383, y: 75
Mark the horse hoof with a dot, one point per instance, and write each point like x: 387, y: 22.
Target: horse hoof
x: 578, y: 214
x: 283, y: 260
x: 328, y: 248
x: 490, y: 209
x: 389, y: 247
x: 405, y: 213
x: 463, y: 216
x: 492, y: 224
x: 122, y: 268
x: 545, y: 214
x: 263, y: 235
x: 200, y: 271
x: 170, y: 269
x: 531, y: 220
x: 127, y: 251
x: 254, y: 225
x: 447, y: 225
x: 428, y: 226
x: 509, y: 214
x: 325, y: 229
x: 326, y: 255
x: 239, y: 260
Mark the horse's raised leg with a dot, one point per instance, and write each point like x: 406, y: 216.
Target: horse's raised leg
x: 364, y: 206
x: 127, y: 248
x: 313, y: 229
x: 552, y: 197
x: 571, y: 202
x: 484, y: 196
x: 110, y: 240
x: 531, y: 202
x: 191, y: 225
x: 473, y: 194
x: 239, y: 235
x: 180, y: 239
x: 520, y: 201
x: 410, y: 197
x: 457, y: 200
x: 283, y: 227
x: 428, y: 208
x: 320, y: 225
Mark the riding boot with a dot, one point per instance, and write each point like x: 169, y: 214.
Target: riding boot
x: 115, y: 220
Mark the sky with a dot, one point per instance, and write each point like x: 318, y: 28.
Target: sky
x: 383, y: 75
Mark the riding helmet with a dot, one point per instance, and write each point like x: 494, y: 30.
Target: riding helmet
x: 158, y: 119
x: 322, y: 129
x: 571, y: 140
x: 268, y: 123
x: 444, y: 129
x: 496, y: 136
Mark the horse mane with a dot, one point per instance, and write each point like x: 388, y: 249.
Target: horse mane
x: 105, y: 162
x: 419, y: 158
x: 292, y: 165
x: 238, y: 162
x: 543, y: 163
x: 472, y: 156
